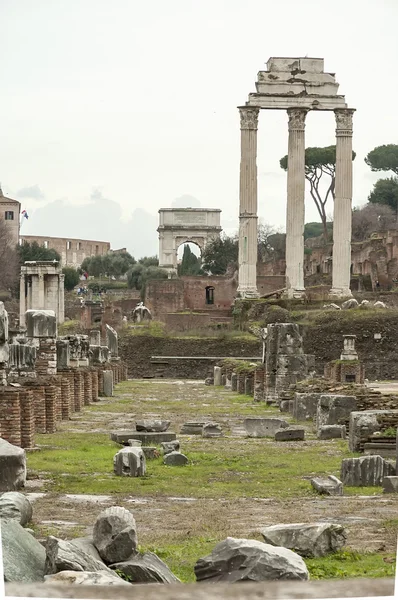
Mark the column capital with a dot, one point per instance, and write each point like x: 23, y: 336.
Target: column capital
x: 248, y: 117
x: 344, y: 120
x: 297, y: 118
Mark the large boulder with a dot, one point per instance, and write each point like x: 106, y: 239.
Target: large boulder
x: 85, y: 578
x: 12, y: 467
x: 65, y: 556
x: 307, y: 539
x: 235, y: 560
x: 146, y: 568
x: 23, y: 556
x: 14, y: 505
x: 115, y: 534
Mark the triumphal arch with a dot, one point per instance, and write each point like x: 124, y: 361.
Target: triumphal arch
x: 297, y: 85
x: 182, y: 225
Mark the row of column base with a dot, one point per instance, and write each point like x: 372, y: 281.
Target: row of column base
x: 334, y: 294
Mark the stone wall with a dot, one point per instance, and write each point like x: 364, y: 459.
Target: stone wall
x: 380, y: 356
x: 72, y: 251
x: 136, y: 352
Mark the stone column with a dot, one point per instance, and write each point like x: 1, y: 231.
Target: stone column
x: 61, y: 298
x: 342, y: 205
x: 295, y: 203
x: 41, y: 298
x: 248, y: 204
x: 22, y: 300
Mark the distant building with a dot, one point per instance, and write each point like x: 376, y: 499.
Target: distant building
x: 9, y: 213
x: 72, y: 251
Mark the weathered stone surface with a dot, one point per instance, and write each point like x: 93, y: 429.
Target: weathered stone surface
x: 130, y: 462
x: 150, y: 452
x: 249, y: 560
x: 85, y: 578
x: 351, y: 303
x: 168, y: 447
x: 210, y: 430
x: 284, y: 406
x: 152, y: 425
x: 65, y: 556
x: 304, y: 406
x: 12, y: 467
x: 112, y: 341
x: 115, y: 534
x: 14, y: 505
x: 41, y: 323
x: 330, y: 486
x: 307, y: 539
x: 87, y: 545
x: 147, y: 438
x: 209, y: 381
x: 23, y: 556
x: 146, y: 568
x: 175, y: 459
x: 362, y: 425
x: 334, y: 409
x: 217, y: 376
x: 193, y: 427
x: 365, y: 471
x: 108, y: 383
x: 290, y: 434
x: 330, y: 432
x: 134, y: 443
x: 390, y: 484
x: 234, y: 382
x: 262, y: 427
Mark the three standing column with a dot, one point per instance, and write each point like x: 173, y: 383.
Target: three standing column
x: 342, y: 205
x: 295, y: 203
x: 248, y: 204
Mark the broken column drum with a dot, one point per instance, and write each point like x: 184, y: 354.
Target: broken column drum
x: 297, y: 85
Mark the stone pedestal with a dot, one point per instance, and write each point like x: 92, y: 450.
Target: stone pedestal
x: 342, y: 206
x: 247, y: 287
x: 295, y: 204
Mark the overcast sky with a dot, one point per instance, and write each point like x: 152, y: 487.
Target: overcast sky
x: 137, y: 101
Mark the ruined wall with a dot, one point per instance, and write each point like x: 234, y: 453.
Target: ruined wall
x: 136, y: 352
x: 380, y: 356
x: 72, y: 251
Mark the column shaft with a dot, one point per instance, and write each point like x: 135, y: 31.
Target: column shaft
x: 295, y: 203
x: 248, y: 204
x: 342, y: 206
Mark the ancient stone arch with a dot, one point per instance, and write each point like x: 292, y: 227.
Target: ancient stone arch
x: 297, y: 85
x: 183, y: 225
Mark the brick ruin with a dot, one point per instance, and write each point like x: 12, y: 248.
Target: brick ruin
x: 44, y: 378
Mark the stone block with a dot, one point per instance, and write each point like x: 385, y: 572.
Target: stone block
x: 14, y: 505
x: 130, y: 462
x: 362, y: 425
x: 263, y: 427
x: 112, y: 341
x: 334, y: 409
x: 115, y: 534
x: 234, y: 560
x: 152, y: 425
x: 147, y: 438
x: 3, y: 325
x: 310, y: 540
x: 63, y: 354
x: 108, y: 383
x: 365, y: 471
x: 331, y: 432
x: 193, y: 427
x: 175, y: 459
x: 168, y: 447
x: 65, y: 556
x: 85, y: 578
x: 41, y: 324
x: 330, y: 486
x: 12, y: 467
x: 23, y: 556
x: 134, y: 443
x: 211, y: 430
x: 217, y: 376
x: 290, y: 434
x: 150, y: 452
x: 234, y: 382
x: 305, y: 406
x: 146, y: 568
x: 390, y: 484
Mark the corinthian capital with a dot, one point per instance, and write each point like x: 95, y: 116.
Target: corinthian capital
x: 297, y: 118
x: 248, y: 117
x: 344, y: 119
